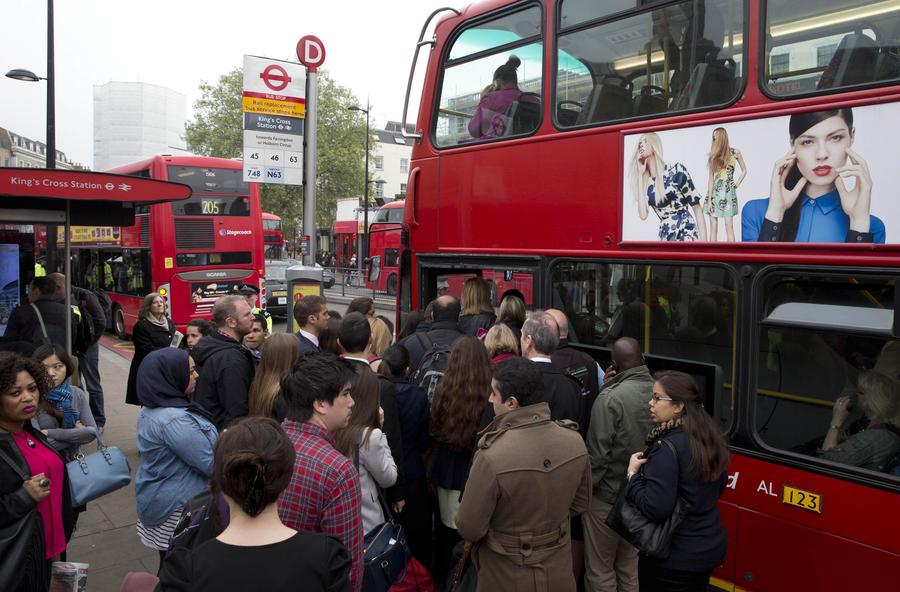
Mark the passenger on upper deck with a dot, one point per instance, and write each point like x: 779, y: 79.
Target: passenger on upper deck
x: 491, y: 119
x: 817, y: 167
x: 877, y: 446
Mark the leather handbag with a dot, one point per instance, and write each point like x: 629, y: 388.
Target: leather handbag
x: 653, y: 539
x: 386, y: 553
x: 98, y: 473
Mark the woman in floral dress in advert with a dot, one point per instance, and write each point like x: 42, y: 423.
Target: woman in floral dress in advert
x: 722, y: 189
x: 669, y: 190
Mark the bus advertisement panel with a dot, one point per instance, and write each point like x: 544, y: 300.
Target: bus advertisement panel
x: 191, y: 251
x: 829, y: 168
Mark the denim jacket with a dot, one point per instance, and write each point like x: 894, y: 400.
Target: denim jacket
x: 176, y: 448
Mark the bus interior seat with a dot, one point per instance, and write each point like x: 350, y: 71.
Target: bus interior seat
x: 855, y: 61
x: 524, y: 114
x: 710, y: 83
x: 609, y: 100
x: 567, y: 117
x: 649, y: 102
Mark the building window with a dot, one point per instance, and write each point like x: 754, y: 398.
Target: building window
x: 824, y: 55
x: 402, y: 188
x: 379, y: 163
x: 379, y: 189
x: 404, y: 165
x: 779, y: 63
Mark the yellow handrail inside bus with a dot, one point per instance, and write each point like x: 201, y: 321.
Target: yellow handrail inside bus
x: 797, y: 398
x: 445, y: 111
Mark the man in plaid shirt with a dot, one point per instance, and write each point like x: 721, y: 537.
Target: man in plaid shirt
x: 323, y: 495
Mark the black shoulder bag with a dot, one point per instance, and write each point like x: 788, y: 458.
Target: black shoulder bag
x: 22, y: 545
x: 653, y: 539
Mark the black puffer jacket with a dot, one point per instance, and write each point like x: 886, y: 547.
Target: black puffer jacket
x: 226, y: 370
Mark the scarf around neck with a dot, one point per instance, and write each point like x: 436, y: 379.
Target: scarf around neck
x: 61, y: 399
x: 162, y: 321
x: 662, y: 429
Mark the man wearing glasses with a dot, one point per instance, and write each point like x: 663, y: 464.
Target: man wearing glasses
x: 619, y: 423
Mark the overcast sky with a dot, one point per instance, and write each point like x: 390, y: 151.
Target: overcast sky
x: 177, y: 44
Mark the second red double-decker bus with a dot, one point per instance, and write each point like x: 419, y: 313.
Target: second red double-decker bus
x: 273, y: 236
x: 384, y: 248
x: 714, y: 178
x: 191, y: 251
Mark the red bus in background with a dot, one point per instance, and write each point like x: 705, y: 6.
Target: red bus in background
x: 191, y: 251
x: 383, y: 266
x: 273, y: 236
x: 344, y: 235
x: 618, y: 110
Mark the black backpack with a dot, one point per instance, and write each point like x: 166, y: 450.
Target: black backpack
x: 431, y: 367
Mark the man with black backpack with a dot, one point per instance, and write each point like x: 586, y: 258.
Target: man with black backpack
x: 432, y: 347
x: 40, y: 321
x: 90, y: 322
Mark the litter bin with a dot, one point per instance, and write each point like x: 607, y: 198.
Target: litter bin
x: 302, y: 281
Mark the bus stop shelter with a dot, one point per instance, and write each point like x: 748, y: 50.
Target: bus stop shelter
x: 31, y: 196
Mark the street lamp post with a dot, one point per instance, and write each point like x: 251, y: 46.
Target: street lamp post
x: 363, y: 237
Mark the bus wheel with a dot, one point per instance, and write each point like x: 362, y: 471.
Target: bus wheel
x: 119, y: 322
x: 392, y: 285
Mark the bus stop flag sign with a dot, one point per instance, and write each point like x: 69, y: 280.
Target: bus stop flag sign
x: 274, y: 104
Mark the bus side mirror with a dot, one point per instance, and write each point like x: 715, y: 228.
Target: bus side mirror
x: 374, y: 268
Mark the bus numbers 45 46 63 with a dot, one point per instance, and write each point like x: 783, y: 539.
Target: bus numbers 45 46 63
x: 802, y: 499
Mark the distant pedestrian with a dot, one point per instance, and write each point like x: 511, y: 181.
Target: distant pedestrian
x: 226, y: 367
x: 324, y: 492
x: 687, y: 458
x: 89, y: 358
x: 154, y: 330
x: 175, y: 439
x: 619, y: 423
x: 311, y: 314
x: 529, y: 475
x: 256, y: 551
x: 364, y: 442
x: 477, y: 310
x: 456, y: 413
x: 280, y: 351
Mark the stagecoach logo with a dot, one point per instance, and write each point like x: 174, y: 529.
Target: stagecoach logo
x: 226, y: 232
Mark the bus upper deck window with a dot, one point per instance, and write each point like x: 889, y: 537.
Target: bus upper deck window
x: 815, y: 45
x: 492, y: 80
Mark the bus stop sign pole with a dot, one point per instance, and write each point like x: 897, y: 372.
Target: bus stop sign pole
x: 311, y: 52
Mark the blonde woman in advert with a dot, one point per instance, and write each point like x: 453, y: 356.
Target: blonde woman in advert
x: 669, y: 190
x: 721, y: 197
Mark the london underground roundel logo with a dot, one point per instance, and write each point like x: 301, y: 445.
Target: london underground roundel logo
x: 275, y: 77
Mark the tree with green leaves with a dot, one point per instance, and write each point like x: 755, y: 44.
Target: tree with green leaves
x: 217, y: 130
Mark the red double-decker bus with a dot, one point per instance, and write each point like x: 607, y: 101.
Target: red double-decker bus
x: 192, y: 251
x: 384, y: 247
x: 715, y: 179
x: 273, y: 236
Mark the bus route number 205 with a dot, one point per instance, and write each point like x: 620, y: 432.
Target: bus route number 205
x: 802, y: 499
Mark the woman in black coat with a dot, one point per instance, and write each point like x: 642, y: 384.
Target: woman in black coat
x: 153, y: 331
x: 688, y: 459
x: 36, y: 516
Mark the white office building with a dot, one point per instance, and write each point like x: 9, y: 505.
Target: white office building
x: 136, y: 120
x: 391, y: 168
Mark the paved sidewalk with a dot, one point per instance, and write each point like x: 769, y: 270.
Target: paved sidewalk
x: 106, y: 537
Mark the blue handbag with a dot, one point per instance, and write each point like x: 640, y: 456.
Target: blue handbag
x: 98, y: 473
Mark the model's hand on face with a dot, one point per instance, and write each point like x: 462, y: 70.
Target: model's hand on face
x: 780, y: 197
x: 855, y: 202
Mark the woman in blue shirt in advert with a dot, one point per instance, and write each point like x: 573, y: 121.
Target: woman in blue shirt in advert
x: 669, y: 190
x: 810, y: 200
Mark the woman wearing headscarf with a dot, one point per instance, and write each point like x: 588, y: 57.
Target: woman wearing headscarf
x: 175, y: 439
x: 154, y: 330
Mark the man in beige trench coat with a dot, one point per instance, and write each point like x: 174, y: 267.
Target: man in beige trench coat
x: 529, y: 475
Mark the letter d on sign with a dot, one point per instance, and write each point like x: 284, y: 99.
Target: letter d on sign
x: 311, y: 52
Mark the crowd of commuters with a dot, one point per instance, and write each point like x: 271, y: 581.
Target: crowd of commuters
x: 310, y: 440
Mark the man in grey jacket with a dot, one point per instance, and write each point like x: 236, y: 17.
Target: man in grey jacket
x: 620, y: 421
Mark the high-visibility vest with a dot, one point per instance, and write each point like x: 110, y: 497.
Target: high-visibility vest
x: 265, y: 315
x: 39, y: 270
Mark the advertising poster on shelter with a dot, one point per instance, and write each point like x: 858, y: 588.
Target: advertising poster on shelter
x: 9, y: 283
x: 820, y: 177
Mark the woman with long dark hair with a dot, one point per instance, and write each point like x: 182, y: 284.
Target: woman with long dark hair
x: 687, y: 457
x: 154, y: 330
x: 253, y: 464
x: 456, y: 412
x: 809, y: 198
x: 363, y: 441
x: 34, y: 489
x: 279, y: 352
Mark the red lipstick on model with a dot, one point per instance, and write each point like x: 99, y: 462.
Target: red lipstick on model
x: 822, y: 170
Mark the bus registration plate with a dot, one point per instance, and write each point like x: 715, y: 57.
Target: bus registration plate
x: 802, y: 499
